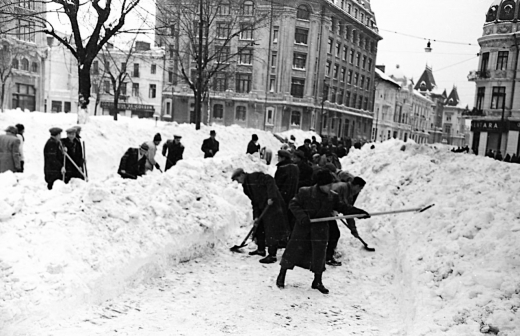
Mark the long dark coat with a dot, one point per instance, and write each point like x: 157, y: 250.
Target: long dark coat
x: 260, y: 187
x: 306, y: 172
x: 286, y: 178
x: 175, y: 152
x: 252, y: 148
x: 75, y: 151
x: 131, y: 164
x: 210, y: 144
x: 308, y: 244
x: 307, y: 151
x: 53, y: 160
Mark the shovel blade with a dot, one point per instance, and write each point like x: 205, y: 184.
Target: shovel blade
x: 237, y: 248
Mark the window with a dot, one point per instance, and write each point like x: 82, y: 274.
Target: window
x: 95, y: 68
x: 240, y: 114
x: 56, y: 106
x: 362, y: 17
x: 329, y: 46
x: 484, y: 62
x: 171, y: 51
x: 356, y: 78
x: 275, y: 35
x: 369, y: 68
x: 360, y: 102
x: 300, y: 36
x: 343, y: 73
x: 25, y: 64
x: 368, y: 84
x: 333, y: 94
x: 296, y: 117
x: 135, y: 89
x: 365, y: 104
x: 106, y: 86
x: 345, y: 51
x: 248, y: 8
x: 246, y: 31
x: 274, y: 59
x: 327, y: 69
x: 347, y: 99
x: 272, y: 84
x: 66, y: 107
x: 122, y: 89
x: 15, y: 63
x: 349, y: 8
x: 498, y: 97
x: 336, y: 71
x: 362, y: 82
x: 223, y: 9
x: 220, y: 82
x: 107, y: 65
x: 269, y: 116
x: 349, y: 78
x: 299, y: 61
x: 152, y: 92
x: 502, y: 60
x: 34, y: 67
x: 355, y: 13
x: 338, y: 49
x: 218, y: 111
x: 364, y: 63
x: 243, y: 83
x: 170, y: 76
x: 25, y: 30
x: 351, y: 56
x: 357, y: 59
x: 245, y: 56
x: 223, y: 30
x: 325, y: 92
x: 354, y: 99
x: 480, y: 98
x: 168, y: 109
x: 297, y: 87
x: 136, y: 70
x: 223, y: 55
x: 341, y: 92
x: 303, y: 13
x: 153, y: 69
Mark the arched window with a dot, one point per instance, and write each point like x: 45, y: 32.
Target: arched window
x: 491, y: 14
x: 34, y: 67
x: 240, y: 113
x: 507, y: 12
x: 296, y: 117
x: 25, y: 64
x: 224, y: 8
x: 218, y: 111
x: 303, y: 12
x: 248, y: 8
x: 15, y: 63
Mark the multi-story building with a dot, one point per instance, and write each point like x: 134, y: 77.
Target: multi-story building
x: 453, y: 123
x: 311, y: 68
x: 141, y: 91
x: 25, y: 47
x: 387, y: 92
x: 495, y: 122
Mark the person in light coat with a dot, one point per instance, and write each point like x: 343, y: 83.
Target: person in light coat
x: 10, y: 151
x: 21, y: 131
x: 152, y: 150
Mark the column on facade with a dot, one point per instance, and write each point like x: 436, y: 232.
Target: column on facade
x: 482, y: 146
x: 512, y: 143
x: 285, y: 51
x: 312, y: 71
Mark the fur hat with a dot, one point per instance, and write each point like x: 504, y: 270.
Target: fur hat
x: 324, y: 177
x: 300, y: 154
x: 283, y: 153
x: 254, y: 137
x: 157, y: 137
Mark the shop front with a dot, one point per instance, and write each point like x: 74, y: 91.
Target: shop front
x: 137, y: 110
x: 495, y: 135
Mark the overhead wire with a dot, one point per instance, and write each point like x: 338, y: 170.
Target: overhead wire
x: 429, y: 39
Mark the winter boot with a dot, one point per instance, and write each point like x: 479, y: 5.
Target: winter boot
x: 258, y: 252
x: 270, y: 259
x: 317, y: 284
x: 280, y: 280
x: 333, y: 262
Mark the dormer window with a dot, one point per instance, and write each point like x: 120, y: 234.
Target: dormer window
x: 491, y: 14
x: 507, y: 12
x: 303, y: 12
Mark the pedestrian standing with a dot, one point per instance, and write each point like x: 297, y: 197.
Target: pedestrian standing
x: 173, y: 150
x: 53, y: 155
x: 253, y: 146
x: 286, y: 179
x: 306, y: 149
x: 272, y: 228
x: 150, y: 154
x: 308, y: 244
x: 74, y: 153
x: 21, y: 130
x: 10, y: 151
x: 210, y: 146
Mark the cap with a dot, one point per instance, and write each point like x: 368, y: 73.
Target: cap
x: 324, y: 177
x: 177, y: 137
x: 157, y: 137
x: 78, y: 128
x: 144, y: 146
x: 71, y: 130
x: 55, y: 131
x: 299, y: 154
x: 212, y: 132
x: 11, y: 129
x: 236, y: 173
x: 307, y: 141
x: 284, y: 153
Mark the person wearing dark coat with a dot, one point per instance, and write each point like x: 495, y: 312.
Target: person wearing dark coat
x: 53, y: 158
x: 210, y: 146
x: 272, y: 228
x: 305, y: 169
x: 74, y: 151
x: 286, y: 179
x: 133, y: 162
x: 514, y: 158
x: 10, y: 154
x: 308, y: 243
x: 507, y: 158
x: 306, y: 149
x: 173, y: 151
x: 253, y: 146
x: 498, y: 156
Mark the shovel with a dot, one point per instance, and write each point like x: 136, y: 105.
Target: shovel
x: 371, y: 249
x: 237, y: 248
x: 326, y: 219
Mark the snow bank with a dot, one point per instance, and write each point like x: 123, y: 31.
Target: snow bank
x: 87, y: 242
x: 457, y: 264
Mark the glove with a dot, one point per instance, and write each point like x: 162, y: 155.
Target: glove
x: 157, y: 166
x: 63, y: 170
x: 365, y: 214
x: 306, y: 221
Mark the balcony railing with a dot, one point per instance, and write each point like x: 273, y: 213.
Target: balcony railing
x: 478, y: 75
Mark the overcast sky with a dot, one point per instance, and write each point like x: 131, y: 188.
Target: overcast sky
x: 443, y: 20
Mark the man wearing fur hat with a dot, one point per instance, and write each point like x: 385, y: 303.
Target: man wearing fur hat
x: 53, y: 155
x: 10, y: 151
x: 74, y: 161
x: 308, y: 244
x: 173, y: 150
x: 152, y: 150
x: 133, y: 162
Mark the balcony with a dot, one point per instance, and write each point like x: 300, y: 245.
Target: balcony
x: 478, y: 75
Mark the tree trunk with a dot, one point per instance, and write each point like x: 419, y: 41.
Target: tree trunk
x: 2, y: 95
x: 84, y: 85
x: 198, y: 109
x: 116, y: 101
x: 97, y: 103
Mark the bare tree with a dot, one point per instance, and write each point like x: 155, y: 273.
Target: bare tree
x: 206, y: 38
x: 93, y: 24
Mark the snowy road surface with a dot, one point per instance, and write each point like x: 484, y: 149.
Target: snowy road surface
x: 230, y: 293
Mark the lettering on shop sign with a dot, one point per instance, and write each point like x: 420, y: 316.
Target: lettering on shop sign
x: 128, y: 106
x: 484, y: 125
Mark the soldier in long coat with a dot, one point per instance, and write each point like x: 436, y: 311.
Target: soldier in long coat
x: 75, y: 152
x: 286, y: 179
x: 173, y: 151
x: 53, y: 158
x: 308, y: 244
x: 272, y: 228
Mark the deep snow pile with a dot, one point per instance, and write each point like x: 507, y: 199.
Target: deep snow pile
x: 85, y: 242
x: 458, y: 267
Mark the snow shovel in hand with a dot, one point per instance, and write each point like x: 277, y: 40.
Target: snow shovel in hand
x: 371, y: 249
x: 326, y: 219
x: 237, y: 248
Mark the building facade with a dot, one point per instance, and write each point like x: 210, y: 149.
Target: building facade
x: 495, y: 121
x: 311, y: 68
x: 385, y: 126
x: 24, y: 51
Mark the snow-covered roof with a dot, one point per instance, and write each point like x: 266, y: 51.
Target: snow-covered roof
x: 385, y: 77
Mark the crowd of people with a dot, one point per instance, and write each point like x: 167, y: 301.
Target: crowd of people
x: 308, y: 184
x: 497, y: 155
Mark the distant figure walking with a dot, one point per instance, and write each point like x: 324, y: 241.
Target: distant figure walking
x: 210, y: 146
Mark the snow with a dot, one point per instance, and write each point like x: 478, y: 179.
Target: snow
x: 152, y: 257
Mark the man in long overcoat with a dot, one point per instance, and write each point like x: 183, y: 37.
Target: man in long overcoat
x: 272, y: 228
x: 53, y: 158
x: 210, y: 146
x: 173, y: 151
x: 308, y: 244
x: 286, y: 179
x: 304, y: 168
x: 133, y: 162
x: 10, y: 151
x: 75, y: 152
